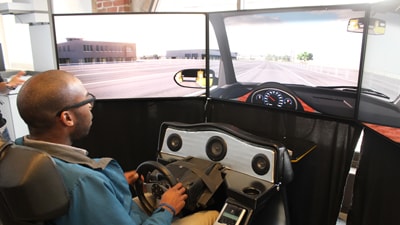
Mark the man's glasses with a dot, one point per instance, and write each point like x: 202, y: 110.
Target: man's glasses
x: 91, y: 99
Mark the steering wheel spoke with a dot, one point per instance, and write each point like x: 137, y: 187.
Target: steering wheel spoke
x: 154, y: 183
x: 156, y: 189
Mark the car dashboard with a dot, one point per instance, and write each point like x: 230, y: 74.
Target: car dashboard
x: 300, y: 98
x: 254, y: 169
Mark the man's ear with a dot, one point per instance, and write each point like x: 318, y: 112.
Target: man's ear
x: 67, y: 118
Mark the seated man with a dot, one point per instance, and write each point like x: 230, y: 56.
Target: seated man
x: 57, y: 109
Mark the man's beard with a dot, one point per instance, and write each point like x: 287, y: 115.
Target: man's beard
x: 80, y: 131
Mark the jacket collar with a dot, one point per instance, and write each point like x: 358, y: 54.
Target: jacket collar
x: 68, y: 153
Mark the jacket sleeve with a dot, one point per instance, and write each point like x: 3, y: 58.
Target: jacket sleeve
x: 97, y: 199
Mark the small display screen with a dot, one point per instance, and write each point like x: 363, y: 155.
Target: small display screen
x: 231, y: 214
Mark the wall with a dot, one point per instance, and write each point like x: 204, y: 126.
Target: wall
x: 72, y: 6
x: 113, y: 5
x: 15, y: 39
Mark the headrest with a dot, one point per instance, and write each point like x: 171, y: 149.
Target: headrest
x: 31, y: 188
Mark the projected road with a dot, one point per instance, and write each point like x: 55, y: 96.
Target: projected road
x: 154, y: 78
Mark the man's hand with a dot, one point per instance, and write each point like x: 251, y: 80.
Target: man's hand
x: 174, y: 197
x: 16, y: 80
x: 131, y: 176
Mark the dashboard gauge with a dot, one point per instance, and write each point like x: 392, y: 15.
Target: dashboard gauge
x: 273, y: 98
x: 288, y: 102
x: 259, y: 98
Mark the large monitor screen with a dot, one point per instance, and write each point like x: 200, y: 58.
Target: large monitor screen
x: 131, y: 55
x: 300, y: 59
x: 381, y: 71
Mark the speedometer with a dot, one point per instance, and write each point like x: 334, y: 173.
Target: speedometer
x: 273, y: 98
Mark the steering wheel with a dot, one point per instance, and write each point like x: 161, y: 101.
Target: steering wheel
x: 157, y: 179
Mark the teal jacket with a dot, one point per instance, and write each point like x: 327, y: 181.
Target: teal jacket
x: 99, y: 193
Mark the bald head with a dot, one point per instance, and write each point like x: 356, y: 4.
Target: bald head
x: 44, y: 94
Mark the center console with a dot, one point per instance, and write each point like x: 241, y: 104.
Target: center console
x: 255, y: 169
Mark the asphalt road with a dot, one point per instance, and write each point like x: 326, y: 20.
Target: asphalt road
x: 154, y: 78
x: 150, y: 78
x: 294, y: 73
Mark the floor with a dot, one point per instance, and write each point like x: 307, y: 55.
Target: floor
x: 342, y: 219
x: 340, y: 222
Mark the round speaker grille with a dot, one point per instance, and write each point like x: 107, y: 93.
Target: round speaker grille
x: 260, y: 164
x: 216, y: 148
x: 174, y: 142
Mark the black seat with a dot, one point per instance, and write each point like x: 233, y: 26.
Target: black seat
x: 31, y: 189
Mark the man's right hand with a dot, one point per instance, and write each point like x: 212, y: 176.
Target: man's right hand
x: 174, y: 197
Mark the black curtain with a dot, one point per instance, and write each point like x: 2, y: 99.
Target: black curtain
x: 127, y: 129
x: 315, y: 195
x: 376, y: 195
